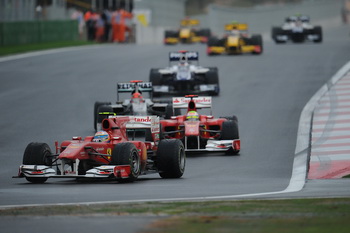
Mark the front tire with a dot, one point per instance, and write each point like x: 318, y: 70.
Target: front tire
x: 37, y: 154
x: 230, y: 131
x: 318, y: 31
x: 127, y: 154
x: 171, y: 158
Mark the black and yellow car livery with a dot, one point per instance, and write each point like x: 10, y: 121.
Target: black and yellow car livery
x: 235, y: 41
x: 187, y: 34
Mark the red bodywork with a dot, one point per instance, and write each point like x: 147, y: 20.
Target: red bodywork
x: 206, y: 127
x: 115, y: 127
x: 200, y: 132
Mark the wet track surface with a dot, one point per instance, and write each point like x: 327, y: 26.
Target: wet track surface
x: 50, y: 97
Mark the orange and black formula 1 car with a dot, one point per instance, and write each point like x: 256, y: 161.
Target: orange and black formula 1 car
x: 201, y: 132
x: 127, y: 147
x: 187, y: 34
x: 235, y: 41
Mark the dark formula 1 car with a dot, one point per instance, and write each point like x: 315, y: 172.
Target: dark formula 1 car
x: 297, y: 29
x: 235, y: 41
x: 127, y: 147
x: 137, y: 105
x: 184, y: 75
x: 201, y: 132
x: 188, y: 33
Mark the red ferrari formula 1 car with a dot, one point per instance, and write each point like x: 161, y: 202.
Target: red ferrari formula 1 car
x: 201, y: 132
x: 127, y: 147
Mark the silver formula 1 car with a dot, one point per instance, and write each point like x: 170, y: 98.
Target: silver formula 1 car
x: 137, y: 105
x: 297, y: 29
x: 184, y: 76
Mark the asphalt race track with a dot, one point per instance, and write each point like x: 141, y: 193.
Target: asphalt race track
x: 50, y: 97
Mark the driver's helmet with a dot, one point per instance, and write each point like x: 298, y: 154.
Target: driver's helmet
x: 192, y: 115
x: 183, y: 60
x: 137, y: 98
x: 136, y: 95
x: 101, y: 136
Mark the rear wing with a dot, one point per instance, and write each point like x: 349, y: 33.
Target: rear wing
x: 130, y: 87
x: 140, y: 122
x: 189, y: 22
x: 200, y: 101
x: 183, y: 55
x: 236, y: 26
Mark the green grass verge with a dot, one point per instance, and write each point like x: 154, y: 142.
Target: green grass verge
x: 14, y: 49
x: 294, y: 215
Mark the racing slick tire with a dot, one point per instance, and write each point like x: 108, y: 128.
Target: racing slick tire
x: 212, y: 77
x: 276, y: 31
x: 170, y: 34
x: 96, y: 106
x: 171, y: 158
x: 205, y: 32
x: 126, y: 153
x: 230, y: 132
x: 155, y: 78
x: 107, y: 111
x: 231, y: 118
x: 169, y: 111
x: 37, y: 154
x: 318, y: 31
x: 257, y: 40
x: 212, y: 42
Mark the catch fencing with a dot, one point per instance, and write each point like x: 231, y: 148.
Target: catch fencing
x: 27, y: 32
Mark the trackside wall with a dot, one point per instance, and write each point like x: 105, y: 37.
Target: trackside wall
x: 26, y: 32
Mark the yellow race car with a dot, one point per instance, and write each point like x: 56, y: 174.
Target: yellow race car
x: 187, y: 34
x: 236, y: 41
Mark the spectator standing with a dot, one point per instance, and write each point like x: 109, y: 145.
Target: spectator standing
x: 100, y: 28
x: 107, y: 18
x: 78, y: 15
x: 119, y: 20
x: 90, y: 21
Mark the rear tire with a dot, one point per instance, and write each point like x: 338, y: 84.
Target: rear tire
x: 155, y: 78
x: 127, y: 154
x: 37, y: 154
x: 257, y: 40
x: 171, y: 158
x: 212, y: 77
x: 170, y: 34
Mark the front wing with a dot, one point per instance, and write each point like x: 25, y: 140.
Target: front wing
x: 217, y: 50
x: 201, y: 88
x: 217, y: 146
x: 106, y: 171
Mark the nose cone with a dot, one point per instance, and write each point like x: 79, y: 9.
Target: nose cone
x: 192, y: 128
